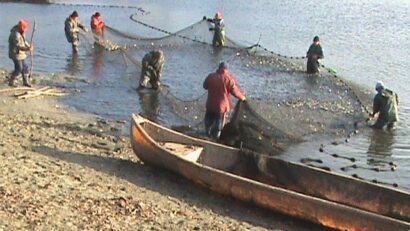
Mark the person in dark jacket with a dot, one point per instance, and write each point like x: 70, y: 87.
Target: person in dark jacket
x: 219, y: 38
x: 385, y: 104
x: 313, y: 55
x: 220, y: 85
x: 152, y: 66
x: 18, y: 47
x: 72, y: 26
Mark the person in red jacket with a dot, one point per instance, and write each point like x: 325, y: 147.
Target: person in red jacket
x: 220, y: 86
x: 97, y: 24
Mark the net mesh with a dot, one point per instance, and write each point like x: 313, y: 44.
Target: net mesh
x: 284, y: 105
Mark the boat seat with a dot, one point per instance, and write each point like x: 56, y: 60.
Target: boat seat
x: 188, y: 152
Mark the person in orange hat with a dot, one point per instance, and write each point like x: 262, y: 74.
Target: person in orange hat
x: 219, y: 30
x: 97, y: 24
x: 72, y: 26
x: 18, y: 47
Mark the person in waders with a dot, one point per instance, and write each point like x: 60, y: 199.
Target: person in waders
x: 152, y: 66
x: 313, y: 55
x: 219, y: 39
x: 18, y: 47
x: 385, y: 105
x: 72, y: 26
x: 220, y: 85
x: 97, y: 26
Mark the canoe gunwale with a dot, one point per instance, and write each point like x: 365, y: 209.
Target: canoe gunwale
x: 317, y: 210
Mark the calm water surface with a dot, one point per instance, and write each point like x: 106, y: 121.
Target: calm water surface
x: 365, y: 41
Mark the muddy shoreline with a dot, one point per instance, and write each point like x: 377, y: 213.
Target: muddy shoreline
x: 62, y: 169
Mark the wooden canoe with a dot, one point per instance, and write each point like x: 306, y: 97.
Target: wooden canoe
x: 330, y: 199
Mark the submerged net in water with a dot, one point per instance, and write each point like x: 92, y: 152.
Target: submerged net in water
x: 284, y: 105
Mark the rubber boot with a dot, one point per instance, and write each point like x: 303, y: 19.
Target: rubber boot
x: 11, y: 81
x: 26, y: 81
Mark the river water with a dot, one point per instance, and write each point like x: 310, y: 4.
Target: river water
x: 365, y: 41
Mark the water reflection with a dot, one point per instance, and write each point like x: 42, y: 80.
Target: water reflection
x: 98, y: 61
x: 149, y: 101
x: 73, y: 66
x: 218, y: 53
x: 312, y: 81
x: 381, y: 146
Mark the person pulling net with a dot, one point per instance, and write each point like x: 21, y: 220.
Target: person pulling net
x: 220, y: 85
x: 385, y: 106
x: 219, y: 39
x: 286, y: 107
x: 72, y: 26
x: 152, y: 66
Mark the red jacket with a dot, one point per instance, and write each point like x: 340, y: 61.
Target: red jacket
x: 97, y: 24
x: 220, y: 85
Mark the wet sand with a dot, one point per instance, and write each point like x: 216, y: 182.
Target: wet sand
x: 64, y: 170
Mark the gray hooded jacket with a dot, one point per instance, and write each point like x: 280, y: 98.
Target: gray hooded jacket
x: 18, y: 46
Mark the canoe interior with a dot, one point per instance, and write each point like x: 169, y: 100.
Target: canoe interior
x: 292, y: 176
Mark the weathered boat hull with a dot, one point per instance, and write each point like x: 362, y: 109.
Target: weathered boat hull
x: 330, y: 186
x: 145, y: 138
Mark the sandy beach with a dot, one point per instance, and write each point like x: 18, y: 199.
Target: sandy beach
x: 65, y: 170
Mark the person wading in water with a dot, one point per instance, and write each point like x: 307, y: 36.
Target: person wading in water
x: 220, y: 85
x: 97, y: 24
x: 313, y: 55
x: 219, y: 38
x: 152, y: 66
x: 72, y: 26
x: 385, y: 105
x: 97, y: 27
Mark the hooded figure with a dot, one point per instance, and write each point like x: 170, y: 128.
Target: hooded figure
x: 314, y: 53
x: 18, y: 47
x: 385, y: 103
x: 220, y: 85
x: 72, y: 26
x: 219, y: 30
x: 152, y: 66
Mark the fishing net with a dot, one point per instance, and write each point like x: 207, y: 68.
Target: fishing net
x: 284, y: 105
x: 248, y: 130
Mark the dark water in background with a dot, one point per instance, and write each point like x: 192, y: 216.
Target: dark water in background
x: 365, y: 41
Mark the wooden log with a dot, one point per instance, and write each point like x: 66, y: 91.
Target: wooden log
x: 17, y: 89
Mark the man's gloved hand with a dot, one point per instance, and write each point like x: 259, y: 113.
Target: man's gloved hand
x: 209, y: 20
x: 204, y: 18
x: 211, y: 29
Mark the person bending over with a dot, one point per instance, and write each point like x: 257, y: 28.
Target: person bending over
x: 152, y: 66
x: 385, y: 104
